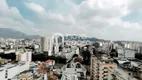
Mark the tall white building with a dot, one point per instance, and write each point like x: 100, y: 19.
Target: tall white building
x: 131, y: 45
x: 46, y: 44
x: 139, y: 50
x: 52, y: 44
x: 57, y: 41
x: 50, y: 47
x: 43, y: 44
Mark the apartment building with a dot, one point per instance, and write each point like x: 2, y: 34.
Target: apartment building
x: 101, y: 67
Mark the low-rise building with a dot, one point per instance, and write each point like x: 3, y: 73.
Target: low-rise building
x: 73, y: 71
x: 24, y: 76
x: 9, y: 70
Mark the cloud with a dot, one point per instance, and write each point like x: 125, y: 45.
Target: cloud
x: 36, y: 8
x: 99, y: 18
x: 135, y: 5
x: 10, y: 17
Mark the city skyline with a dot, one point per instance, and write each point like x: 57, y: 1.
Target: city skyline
x: 105, y: 19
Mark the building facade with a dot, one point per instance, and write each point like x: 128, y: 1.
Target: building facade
x: 57, y: 41
x: 42, y: 44
x: 8, y: 71
x: 26, y: 56
x: 100, y: 68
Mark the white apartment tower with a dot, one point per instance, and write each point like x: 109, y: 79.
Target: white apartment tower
x: 57, y: 41
x: 52, y: 44
x: 46, y: 44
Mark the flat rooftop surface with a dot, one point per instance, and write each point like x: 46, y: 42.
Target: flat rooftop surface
x: 125, y: 73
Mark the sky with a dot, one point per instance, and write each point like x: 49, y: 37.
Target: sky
x: 105, y: 19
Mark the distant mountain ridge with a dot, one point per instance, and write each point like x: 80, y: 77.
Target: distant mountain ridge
x: 11, y: 33
x: 82, y: 38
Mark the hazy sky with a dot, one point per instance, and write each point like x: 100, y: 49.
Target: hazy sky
x: 108, y: 19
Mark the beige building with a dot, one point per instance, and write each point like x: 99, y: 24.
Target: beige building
x: 101, y: 67
x: 45, y: 44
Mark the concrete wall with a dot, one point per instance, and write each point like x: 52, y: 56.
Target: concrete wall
x: 2, y: 75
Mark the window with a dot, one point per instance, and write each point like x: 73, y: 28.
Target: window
x: 111, y: 67
x: 6, y: 74
x: 68, y: 65
x: 107, y: 62
x: 97, y: 76
x: 105, y: 67
x: 78, y: 66
x: 105, y: 71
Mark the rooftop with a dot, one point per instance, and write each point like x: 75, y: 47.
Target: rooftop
x: 7, y: 66
x: 103, y: 57
x: 123, y: 73
x: 23, y: 75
